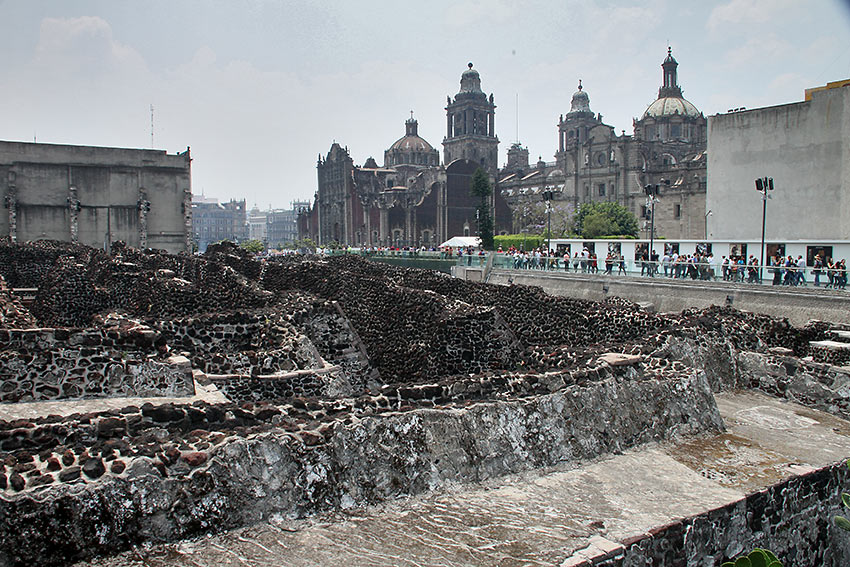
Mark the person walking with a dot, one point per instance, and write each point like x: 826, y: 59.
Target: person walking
x: 801, y: 271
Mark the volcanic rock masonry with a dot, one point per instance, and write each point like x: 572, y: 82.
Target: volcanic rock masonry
x: 349, y: 382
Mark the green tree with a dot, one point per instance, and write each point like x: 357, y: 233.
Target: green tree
x: 596, y: 224
x: 253, y: 246
x: 480, y: 187
x: 620, y: 221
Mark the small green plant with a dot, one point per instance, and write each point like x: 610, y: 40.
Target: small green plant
x: 756, y: 558
x: 841, y: 521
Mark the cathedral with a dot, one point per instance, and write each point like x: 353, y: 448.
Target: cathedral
x: 593, y: 163
x: 412, y: 200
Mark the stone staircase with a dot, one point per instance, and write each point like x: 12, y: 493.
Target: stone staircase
x: 835, y: 351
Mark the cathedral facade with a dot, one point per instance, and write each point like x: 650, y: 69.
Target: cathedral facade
x: 593, y: 163
x: 412, y: 200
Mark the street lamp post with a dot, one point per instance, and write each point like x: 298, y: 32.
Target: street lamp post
x: 547, y: 196
x: 652, y: 194
x: 763, y: 185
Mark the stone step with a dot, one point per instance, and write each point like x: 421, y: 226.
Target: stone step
x: 832, y: 345
x: 840, y: 336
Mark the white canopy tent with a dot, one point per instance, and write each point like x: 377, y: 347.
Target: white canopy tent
x: 464, y: 241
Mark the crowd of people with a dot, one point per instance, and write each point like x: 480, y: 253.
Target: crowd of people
x: 789, y: 271
x: 792, y: 271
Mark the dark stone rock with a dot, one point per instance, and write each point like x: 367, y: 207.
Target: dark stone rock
x: 117, y: 467
x: 69, y: 474
x: 111, y: 427
x: 68, y: 458
x: 195, y: 458
x: 94, y: 468
x: 53, y: 464
x: 163, y: 413
x: 17, y: 482
x: 42, y: 480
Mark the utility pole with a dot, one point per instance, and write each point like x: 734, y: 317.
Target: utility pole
x: 763, y: 185
x: 652, y: 194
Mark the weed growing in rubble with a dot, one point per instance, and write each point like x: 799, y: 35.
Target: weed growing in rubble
x: 756, y: 558
x: 841, y: 521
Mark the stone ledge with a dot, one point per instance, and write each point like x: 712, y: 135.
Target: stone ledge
x: 619, y: 359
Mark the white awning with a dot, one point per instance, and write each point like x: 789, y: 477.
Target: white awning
x: 462, y: 241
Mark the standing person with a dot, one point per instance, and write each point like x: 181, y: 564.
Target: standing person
x: 566, y: 261
x: 777, y: 269
x: 817, y: 269
x: 830, y: 272
x: 801, y: 270
x: 609, y: 263
x: 621, y: 265
x: 724, y: 266
x: 790, y: 275
x: 665, y: 262
x: 841, y: 274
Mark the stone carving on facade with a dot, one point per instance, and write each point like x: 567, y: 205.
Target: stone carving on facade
x: 144, y: 207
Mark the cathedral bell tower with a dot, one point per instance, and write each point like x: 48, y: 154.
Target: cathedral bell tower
x: 471, y: 125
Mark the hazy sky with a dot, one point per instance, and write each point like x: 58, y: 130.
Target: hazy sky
x: 259, y: 88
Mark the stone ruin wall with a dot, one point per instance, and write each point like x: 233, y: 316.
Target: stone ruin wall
x: 381, y: 382
x: 55, y: 364
x: 791, y: 518
x: 301, y: 460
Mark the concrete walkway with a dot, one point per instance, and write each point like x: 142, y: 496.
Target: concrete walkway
x: 540, y: 518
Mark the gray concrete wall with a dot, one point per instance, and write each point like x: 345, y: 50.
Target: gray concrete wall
x: 36, y: 181
x: 804, y: 147
x: 798, y: 305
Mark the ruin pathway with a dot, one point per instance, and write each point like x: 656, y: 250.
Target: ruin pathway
x: 542, y: 517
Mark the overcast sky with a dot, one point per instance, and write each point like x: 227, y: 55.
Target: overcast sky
x: 259, y: 88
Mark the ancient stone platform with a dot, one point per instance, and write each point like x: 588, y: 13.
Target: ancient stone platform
x: 555, y: 516
x: 403, y: 399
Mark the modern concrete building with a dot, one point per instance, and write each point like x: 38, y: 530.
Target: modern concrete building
x: 96, y: 196
x: 805, y: 147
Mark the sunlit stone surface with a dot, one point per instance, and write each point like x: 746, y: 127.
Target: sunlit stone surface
x: 541, y: 517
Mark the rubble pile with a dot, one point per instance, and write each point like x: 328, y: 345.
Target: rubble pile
x: 349, y: 382
x: 13, y: 315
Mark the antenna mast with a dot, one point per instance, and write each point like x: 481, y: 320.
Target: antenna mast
x: 151, y: 126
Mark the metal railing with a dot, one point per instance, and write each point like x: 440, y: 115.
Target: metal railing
x: 704, y: 271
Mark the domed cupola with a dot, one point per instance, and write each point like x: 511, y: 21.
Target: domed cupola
x: 670, y: 101
x: 580, y: 103
x: 470, y: 81
x: 411, y: 149
x: 671, y: 118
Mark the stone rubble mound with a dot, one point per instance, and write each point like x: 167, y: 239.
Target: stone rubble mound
x: 350, y: 382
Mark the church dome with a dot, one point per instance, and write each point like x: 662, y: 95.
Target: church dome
x: 670, y: 101
x: 470, y: 81
x: 580, y: 102
x: 412, y: 143
x: 411, y: 149
x: 671, y: 106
